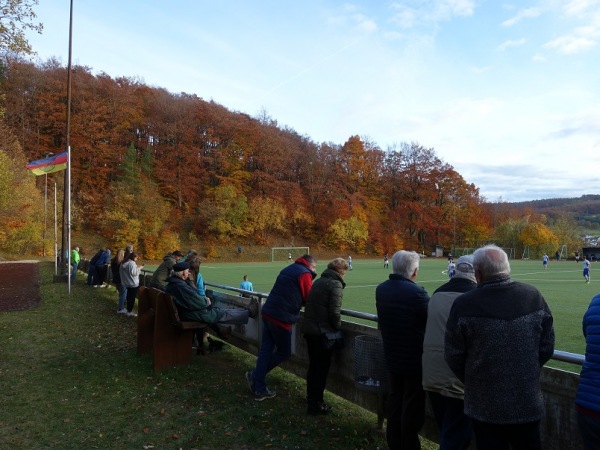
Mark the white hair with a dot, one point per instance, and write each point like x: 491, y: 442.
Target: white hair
x: 405, y: 263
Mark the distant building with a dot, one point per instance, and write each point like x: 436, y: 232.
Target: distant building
x: 592, y: 253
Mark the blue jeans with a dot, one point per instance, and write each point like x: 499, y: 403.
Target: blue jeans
x: 74, y: 271
x: 275, y: 348
x: 122, y: 290
x: 590, y: 430
x: 455, y: 428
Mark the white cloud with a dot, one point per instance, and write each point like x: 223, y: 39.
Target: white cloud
x: 510, y: 43
x: 578, y: 7
x: 528, y: 13
x: 570, y: 44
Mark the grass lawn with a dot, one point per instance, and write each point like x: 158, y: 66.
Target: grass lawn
x: 70, y: 378
x: 562, y: 285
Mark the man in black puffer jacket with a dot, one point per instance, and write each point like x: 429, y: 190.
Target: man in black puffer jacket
x: 498, y: 336
x: 402, y: 315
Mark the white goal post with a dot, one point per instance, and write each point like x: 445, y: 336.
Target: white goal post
x: 284, y: 253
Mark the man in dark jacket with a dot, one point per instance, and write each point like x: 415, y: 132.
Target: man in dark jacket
x: 163, y: 271
x: 194, y: 307
x: 322, y: 315
x: 402, y: 315
x: 279, y: 314
x: 498, y: 337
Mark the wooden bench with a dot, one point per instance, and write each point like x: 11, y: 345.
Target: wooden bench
x: 147, y: 299
x: 173, y: 338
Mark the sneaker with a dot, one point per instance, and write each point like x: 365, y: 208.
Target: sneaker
x: 249, y: 380
x: 103, y: 285
x: 260, y: 396
x: 122, y: 311
x: 131, y: 314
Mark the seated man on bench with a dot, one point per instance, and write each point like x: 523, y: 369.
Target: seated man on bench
x: 194, y: 307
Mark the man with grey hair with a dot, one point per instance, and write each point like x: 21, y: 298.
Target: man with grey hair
x: 402, y: 315
x: 444, y: 389
x: 498, y: 337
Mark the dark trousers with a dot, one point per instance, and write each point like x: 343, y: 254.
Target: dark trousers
x: 406, y: 412
x: 590, y: 430
x: 455, y: 428
x: 91, y: 274
x: 131, y: 295
x: 319, y: 360
x: 520, y: 436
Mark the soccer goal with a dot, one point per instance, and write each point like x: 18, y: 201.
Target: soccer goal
x: 462, y: 251
x: 287, y: 253
x: 510, y: 252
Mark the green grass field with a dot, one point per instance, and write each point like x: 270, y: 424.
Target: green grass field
x: 562, y: 285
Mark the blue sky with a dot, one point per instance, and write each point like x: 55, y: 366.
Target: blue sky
x: 505, y: 92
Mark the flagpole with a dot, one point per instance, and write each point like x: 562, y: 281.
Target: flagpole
x: 55, y: 234
x: 66, y: 238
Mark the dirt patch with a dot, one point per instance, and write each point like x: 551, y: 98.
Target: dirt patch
x: 19, y: 285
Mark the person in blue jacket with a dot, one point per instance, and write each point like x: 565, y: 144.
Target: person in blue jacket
x: 588, y: 392
x: 279, y: 314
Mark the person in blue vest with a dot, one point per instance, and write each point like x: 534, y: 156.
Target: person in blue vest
x: 588, y: 392
x: 279, y: 314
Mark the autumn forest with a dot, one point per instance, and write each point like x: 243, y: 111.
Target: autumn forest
x: 165, y: 170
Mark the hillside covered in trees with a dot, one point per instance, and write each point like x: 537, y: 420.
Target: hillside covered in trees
x: 160, y: 169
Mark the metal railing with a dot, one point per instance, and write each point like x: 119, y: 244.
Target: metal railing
x: 559, y: 355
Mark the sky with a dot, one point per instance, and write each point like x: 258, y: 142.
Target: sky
x: 506, y: 92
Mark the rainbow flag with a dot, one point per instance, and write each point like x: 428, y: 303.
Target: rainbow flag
x: 49, y: 165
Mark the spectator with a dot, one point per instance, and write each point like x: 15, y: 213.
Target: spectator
x: 130, y: 278
x: 163, y: 271
x: 322, y: 315
x: 402, y: 315
x: 197, y: 308
x: 279, y: 313
x: 445, y: 391
x: 102, y: 264
x: 128, y: 251
x: 588, y: 393
x: 498, y: 337
x: 92, y: 275
x: 115, y: 266
x: 246, y: 285
x: 195, y: 278
x: 75, y: 258
x: 190, y: 254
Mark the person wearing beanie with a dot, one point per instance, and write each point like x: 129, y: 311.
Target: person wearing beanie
x: 444, y: 389
x: 194, y: 307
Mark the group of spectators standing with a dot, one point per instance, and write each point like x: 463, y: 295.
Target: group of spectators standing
x: 476, y: 349
x: 124, y: 271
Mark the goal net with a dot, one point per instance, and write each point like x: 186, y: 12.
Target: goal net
x: 510, y: 252
x: 287, y: 253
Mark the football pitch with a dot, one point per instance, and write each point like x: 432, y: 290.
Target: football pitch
x: 562, y: 285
